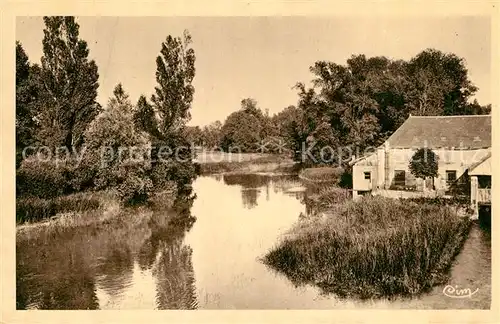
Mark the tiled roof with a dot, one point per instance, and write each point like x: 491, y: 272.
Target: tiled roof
x: 458, y: 132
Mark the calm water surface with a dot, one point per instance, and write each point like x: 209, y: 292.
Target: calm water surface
x: 212, y: 265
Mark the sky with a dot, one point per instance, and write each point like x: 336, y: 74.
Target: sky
x: 262, y: 57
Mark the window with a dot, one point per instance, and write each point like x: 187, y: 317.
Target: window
x: 451, y: 176
x: 368, y: 175
x: 399, y: 177
x: 484, y: 181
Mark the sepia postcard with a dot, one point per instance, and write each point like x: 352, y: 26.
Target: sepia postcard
x: 287, y: 161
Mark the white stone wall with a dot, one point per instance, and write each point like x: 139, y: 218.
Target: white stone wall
x: 398, y: 159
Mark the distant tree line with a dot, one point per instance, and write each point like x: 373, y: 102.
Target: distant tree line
x: 356, y: 105
x: 97, y: 148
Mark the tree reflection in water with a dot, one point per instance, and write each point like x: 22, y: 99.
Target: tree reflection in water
x: 251, y: 185
x: 65, y: 269
x: 54, y: 274
x: 172, y: 267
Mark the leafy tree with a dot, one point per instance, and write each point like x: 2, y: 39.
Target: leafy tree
x: 474, y: 108
x: 67, y: 83
x: 283, y: 119
x: 281, y: 124
x: 175, y: 71
x: 359, y: 104
x: 116, y: 153
x: 194, y: 135
x: 144, y: 117
x: 424, y: 164
x: 313, y: 136
x: 167, y: 114
x: 25, y: 96
x: 440, y: 84
x: 211, y: 135
x: 243, y: 130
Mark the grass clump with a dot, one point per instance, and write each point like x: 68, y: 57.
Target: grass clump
x: 373, y: 247
x: 32, y: 209
x: 325, y: 197
x: 323, y: 173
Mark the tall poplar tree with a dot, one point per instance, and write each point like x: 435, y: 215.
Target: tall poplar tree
x: 68, y: 83
x: 166, y: 116
x: 168, y: 112
x: 25, y: 96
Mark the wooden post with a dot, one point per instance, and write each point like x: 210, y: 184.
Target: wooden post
x: 473, y: 195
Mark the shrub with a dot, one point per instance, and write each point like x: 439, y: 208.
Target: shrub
x: 373, y: 247
x: 41, y: 179
x: 116, y: 154
x: 53, y: 178
x: 134, y: 188
x: 403, y: 187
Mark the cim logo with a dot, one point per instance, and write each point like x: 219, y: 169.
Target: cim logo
x: 456, y: 292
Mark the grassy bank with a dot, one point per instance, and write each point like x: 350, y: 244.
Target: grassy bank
x: 321, y: 198
x: 327, y: 175
x: 245, y: 162
x: 80, y: 210
x: 321, y: 174
x: 373, y: 247
x: 32, y: 209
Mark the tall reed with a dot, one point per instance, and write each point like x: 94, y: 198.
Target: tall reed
x: 35, y: 209
x: 372, y: 247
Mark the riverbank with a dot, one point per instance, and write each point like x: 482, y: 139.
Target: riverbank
x: 371, y: 248
x: 322, y: 174
x: 84, y: 208
x: 97, y: 209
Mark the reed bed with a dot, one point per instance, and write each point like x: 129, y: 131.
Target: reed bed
x: 326, y: 197
x: 30, y: 209
x: 373, y: 247
x: 322, y: 174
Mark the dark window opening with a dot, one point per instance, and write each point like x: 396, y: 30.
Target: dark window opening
x: 368, y: 175
x: 451, y: 176
x: 399, y: 177
x: 484, y: 181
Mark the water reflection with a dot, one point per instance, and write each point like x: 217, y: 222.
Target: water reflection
x: 54, y: 277
x: 172, y: 260
x: 108, y: 268
x: 252, y: 185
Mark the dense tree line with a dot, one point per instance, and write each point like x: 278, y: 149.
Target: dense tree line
x: 350, y: 108
x: 358, y: 105
x: 86, y: 147
x: 248, y: 129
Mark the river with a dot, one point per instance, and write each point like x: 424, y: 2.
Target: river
x: 212, y: 265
